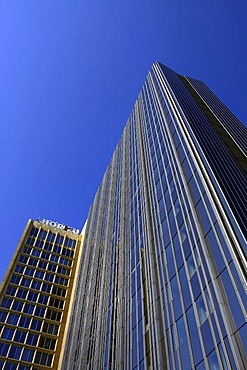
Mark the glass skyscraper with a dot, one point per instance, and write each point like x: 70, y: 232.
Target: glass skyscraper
x: 158, y: 279
x: 162, y: 274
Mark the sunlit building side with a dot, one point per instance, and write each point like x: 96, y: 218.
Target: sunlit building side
x: 35, y: 297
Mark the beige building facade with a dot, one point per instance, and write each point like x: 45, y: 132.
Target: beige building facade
x: 36, y: 294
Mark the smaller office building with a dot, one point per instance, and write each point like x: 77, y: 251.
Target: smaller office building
x: 35, y: 296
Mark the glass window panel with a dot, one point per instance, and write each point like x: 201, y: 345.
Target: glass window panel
x: 230, y: 354
x: 3, y: 316
x: 15, y: 279
x: 30, y: 241
x: 64, y: 261
x: 20, y: 336
x: 50, y: 328
x: 7, y: 333
x: 32, y: 296
x: 194, y: 335
x: 67, y: 242
x: 173, y: 191
x: 13, y: 319
x: 43, y: 299
x: 47, y: 343
x: 34, y: 231
x: 15, y: 352
x: 10, y: 366
x: 176, y: 297
x: 19, y: 269
x: 36, y: 285
x: 29, y: 271
x: 216, y: 252
x: 243, y: 336
x: 53, y: 315
x: 51, y: 236
x: 21, y: 293
x: 39, y: 243
x: 232, y: 299
x: 32, y: 339
x: 52, y: 267
x: 57, y: 249
x: 17, y: 306
x: 46, y: 288
x: 32, y: 262
x: 166, y: 235
x: 194, y: 190
x: 39, y: 311
x: 55, y: 302
x: 36, y: 252
x: 58, y: 291
x: 42, y: 265
x: 54, y: 258
x: 26, y: 282
x: 173, y: 227
x: 23, y: 259
x: 61, y: 281
x: 49, y: 277
x: 11, y: 290
x: 162, y: 209
x: 45, y: 255
x: 170, y: 260
x: 164, y: 181
x: 69, y: 253
x: 191, y: 265
x: 4, y: 349
x: 213, y: 361
x: 36, y: 324
x: 201, y: 309
x: 201, y: 366
x: 27, y: 355
x: 6, y: 302
x: 181, y: 331
x: 195, y: 285
x: 39, y: 274
x: 48, y: 246
x: 158, y: 189
x: 223, y: 357
x: 207, y: 337
x: 185, y: 287
x: 223, y: 244
x: 42, y: 234
x: 59, y: 239
x: 28, y: 308
x: 24, y: 322
x: 203, y: 217
x: 177, y: 251
x: 239, y: 284
x: 63, y: 271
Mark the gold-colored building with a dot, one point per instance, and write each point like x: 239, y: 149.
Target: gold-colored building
x: 35, y: 296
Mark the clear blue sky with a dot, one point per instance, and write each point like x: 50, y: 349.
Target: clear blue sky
x: 70, y: 72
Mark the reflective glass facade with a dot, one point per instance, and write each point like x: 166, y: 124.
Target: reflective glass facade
x: 161, y: 281
x: 35, y: 298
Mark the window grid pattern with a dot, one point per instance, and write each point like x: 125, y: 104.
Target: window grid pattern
x: 32, y: 306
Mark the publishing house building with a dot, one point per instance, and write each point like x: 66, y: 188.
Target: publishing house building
x: 158, y: 278
x: 36, y: 296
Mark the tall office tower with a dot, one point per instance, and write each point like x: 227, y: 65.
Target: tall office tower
x: 35, y: 297
x: 161, y: 282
